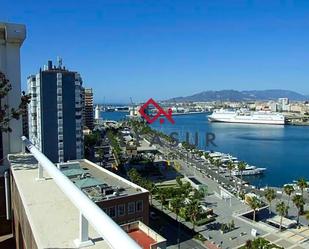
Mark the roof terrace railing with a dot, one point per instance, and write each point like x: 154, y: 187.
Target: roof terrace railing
x: 113, y: 234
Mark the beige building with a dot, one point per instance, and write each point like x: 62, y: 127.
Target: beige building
x: 88, y: 108
x: 12, y: 37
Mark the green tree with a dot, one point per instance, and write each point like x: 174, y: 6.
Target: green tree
x: 281, y: 208
x: 241, y: 167
x: 199, y: 195
x: 299, y: 203
x: 230, y: 167
x: 288, y: 190
x: 302, y: 184
x: 194, y: 210
x: 217, y: 163
x: 270, y: 195
x: 134, y: 176
x: 176, y: 204
x: 254, y: 204
x: 184, y: 189
x: 162, y: 193
x: 152, y: 188
x: 8, y: 113
x: 90, y: 141
x: 178, y: 181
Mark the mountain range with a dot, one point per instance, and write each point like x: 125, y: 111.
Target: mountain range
x: 233, y: 95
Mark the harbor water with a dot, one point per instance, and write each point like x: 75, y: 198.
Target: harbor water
x: 283, y: 150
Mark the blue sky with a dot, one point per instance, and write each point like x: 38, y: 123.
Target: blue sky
x: 163, y: 49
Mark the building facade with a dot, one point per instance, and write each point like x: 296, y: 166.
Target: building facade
x: 88, y: 108
x: 32, y: 200
x: 121, y: 199
x: 25, y: 121
x: 12, y: 37
x: 55, y: 112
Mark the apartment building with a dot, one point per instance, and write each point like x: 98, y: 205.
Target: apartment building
x: 87, y: 95
x: 12, y: 37
x: 121, y: 199
x: 55, y: 112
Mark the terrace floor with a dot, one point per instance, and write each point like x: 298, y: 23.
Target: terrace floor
x: 142, y: 238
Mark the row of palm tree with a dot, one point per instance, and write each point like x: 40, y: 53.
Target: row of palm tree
x: 135, y: 177
x: 241, y: 166
x: 282, y: 207
x: 183, y: 199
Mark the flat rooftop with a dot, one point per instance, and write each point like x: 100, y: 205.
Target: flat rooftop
x: 97, y: 183
x: 53, y: 219
x: 286, y: 223
x: 142, y: 238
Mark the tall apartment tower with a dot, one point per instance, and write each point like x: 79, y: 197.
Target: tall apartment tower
x: 12, y: 37
x: 88, y: 108
x: 55, y: 112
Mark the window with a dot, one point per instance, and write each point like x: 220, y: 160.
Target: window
x: 131, y: 208
x: 121, y: 210
x: 139, y: 206
x: 112, y: 212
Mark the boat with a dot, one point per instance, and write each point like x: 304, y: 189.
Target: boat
x: 249, y: 170
x: 247, y: 117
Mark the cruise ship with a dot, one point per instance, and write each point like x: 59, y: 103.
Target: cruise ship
x: 246, y: 116
x: 249, y: 170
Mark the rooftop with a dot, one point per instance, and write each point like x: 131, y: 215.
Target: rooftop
x: 286, y: 223
x: 98, y: 183
x: 144, y: 236
x: 44, y: 197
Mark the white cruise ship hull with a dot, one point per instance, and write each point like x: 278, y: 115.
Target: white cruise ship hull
x: 247, y: 117
x: 246, y: 121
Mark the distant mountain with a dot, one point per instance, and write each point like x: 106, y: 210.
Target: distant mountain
x: 233, y: 95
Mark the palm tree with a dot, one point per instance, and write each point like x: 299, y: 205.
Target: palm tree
x: 230, y: 167
x: 194, y: 211
x: 178, y: 181
x: 134, y: 176
x: 176, y: 205
x: 288, y: 190
x: 254, y: 204
x: 217, y: 163
x: 302, y: 184
x: 241, y: 167
x: 185, y: 190
x: 281, y: 208
x: 152, y: 188
x: 199, y: 195
x: 270, y: 195
x: 162, y: 196
x: 299, y: 202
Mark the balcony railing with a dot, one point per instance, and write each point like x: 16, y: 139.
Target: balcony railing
x: 113, y: 234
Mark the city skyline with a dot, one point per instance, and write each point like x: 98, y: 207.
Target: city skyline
x: 164, y: 50
x: 218, y: 169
